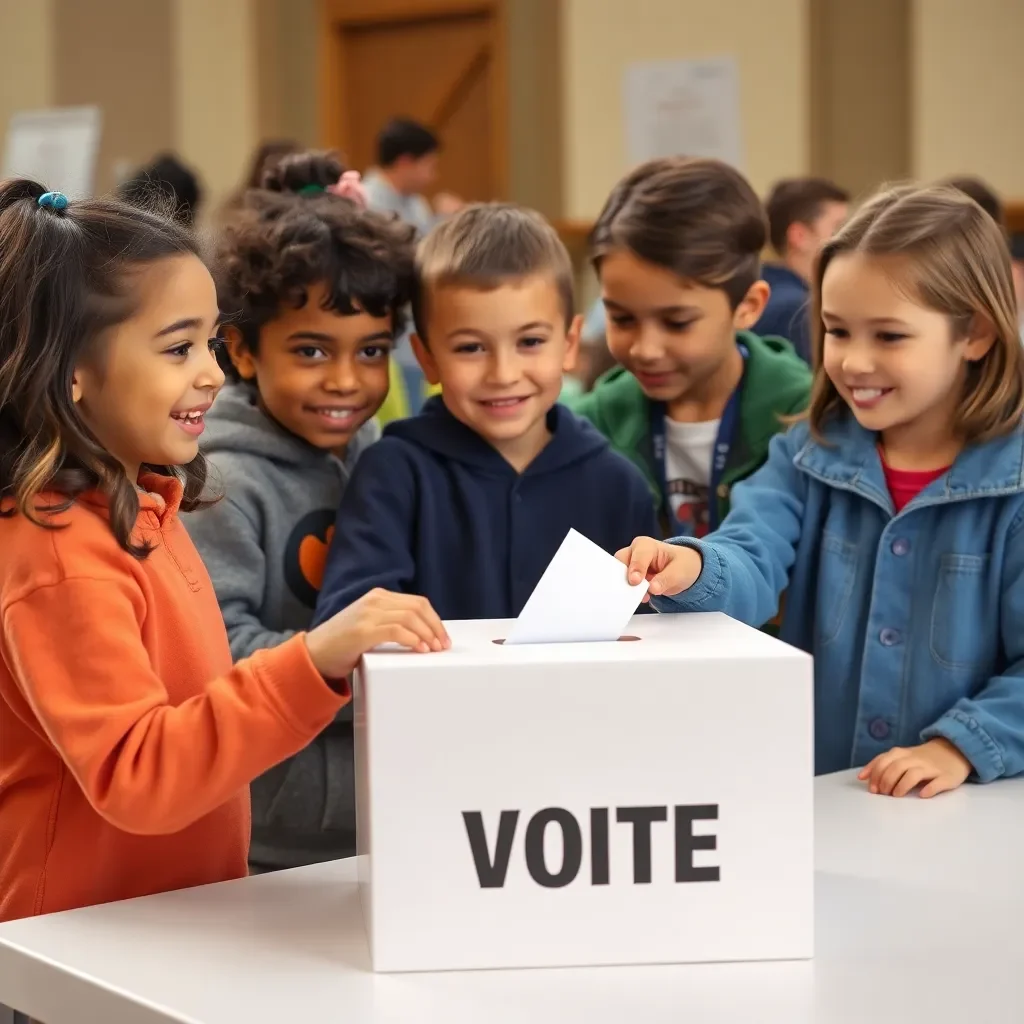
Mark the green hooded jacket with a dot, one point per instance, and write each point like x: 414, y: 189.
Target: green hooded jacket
x: 776, y: 384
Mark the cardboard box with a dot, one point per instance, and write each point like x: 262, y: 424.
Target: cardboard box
x: 634, y: 802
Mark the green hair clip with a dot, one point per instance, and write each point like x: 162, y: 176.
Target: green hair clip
x: 310, y: 190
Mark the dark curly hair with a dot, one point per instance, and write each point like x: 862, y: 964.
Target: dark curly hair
x: 308, y: 169
x: 279, y: 245
x: 66, y: 277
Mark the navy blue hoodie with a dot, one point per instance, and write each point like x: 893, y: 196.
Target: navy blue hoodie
x: 433, y: 509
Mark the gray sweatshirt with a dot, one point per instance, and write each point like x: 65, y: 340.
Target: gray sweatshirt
x: 264, y: 545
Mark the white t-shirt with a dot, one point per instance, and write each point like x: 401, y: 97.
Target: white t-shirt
x: 689, y: 448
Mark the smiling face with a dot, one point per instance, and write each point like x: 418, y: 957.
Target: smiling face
x: 321, y: 375
x: 145, y: 387
x: 896, y: 364
x: 677, y: 338
x: 499, y: 355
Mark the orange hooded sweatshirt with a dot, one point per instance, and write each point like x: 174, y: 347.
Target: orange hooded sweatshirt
x: 127, y: 737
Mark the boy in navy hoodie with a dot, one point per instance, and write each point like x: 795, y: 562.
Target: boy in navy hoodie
x: 466, y: 503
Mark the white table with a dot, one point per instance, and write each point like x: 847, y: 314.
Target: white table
x: 920, y: 917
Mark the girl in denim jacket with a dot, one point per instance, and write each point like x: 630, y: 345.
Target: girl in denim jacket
x: 893, y: 514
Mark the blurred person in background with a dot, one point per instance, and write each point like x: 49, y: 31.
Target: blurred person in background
x: 803, y: 214
x: 983, y: 194
x: 407, y: 155
x: 169, y: 179
x: 988, y: 199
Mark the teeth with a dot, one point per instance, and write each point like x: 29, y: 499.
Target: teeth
x: 188, y: 417
x: 337, y: 414
x: 504, y: 401
x: 867, y: 394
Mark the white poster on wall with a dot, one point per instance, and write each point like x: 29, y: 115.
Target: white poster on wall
x: 683, y: 108
x: 56, y: 147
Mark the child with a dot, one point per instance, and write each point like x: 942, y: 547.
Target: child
x: 128, y: 737
x: 407, y: 157
x: 309, y: 173
x: 312, y: 287
x: 895, y: 513
x: 803, y: 214
x: 698, y: 397
x: 467, y: 502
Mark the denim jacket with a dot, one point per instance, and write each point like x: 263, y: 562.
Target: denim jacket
x: 915, y: 620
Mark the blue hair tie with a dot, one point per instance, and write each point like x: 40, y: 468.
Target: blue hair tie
x: 53, y: 201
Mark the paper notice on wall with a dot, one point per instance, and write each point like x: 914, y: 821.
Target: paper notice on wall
x: 583, y: 596
x: 55, y: 147
x: 683, y: 108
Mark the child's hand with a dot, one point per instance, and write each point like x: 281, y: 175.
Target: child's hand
x: 350, y: 186
x: 379, y: 617
x: 670, y: 568
x: 938, y: 764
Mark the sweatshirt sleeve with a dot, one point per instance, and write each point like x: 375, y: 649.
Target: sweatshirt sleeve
x: 748, y: 558
x: 228, y: 541
x: 373, y: 534
x: 146, y: 766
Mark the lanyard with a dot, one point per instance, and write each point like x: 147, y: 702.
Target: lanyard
x: 719, y: 457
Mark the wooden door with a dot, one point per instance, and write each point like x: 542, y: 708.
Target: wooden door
x: 440, y: 62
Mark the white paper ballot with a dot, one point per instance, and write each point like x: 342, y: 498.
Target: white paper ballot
x: 582, y: 596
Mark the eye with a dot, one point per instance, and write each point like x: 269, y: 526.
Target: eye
x: 179, y: 351
x: 309, y: 352
x: 678, y: 326
x: 532, y: 341
x: 468, y: 348
x: 375, y: 352
x: 890, y: 336
x: 837, y: 332
x: 622, y: 319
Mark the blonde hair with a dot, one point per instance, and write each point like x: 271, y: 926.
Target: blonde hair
x: 486, y: 245
x: 958, y: 264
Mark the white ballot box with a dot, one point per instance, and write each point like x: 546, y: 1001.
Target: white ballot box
x: 640, y: 801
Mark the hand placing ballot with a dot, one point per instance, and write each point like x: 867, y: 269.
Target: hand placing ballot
x: 668, y: 569
x: 581, y: 597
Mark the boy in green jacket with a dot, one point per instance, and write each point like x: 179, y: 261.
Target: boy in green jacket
x: 697, y: 396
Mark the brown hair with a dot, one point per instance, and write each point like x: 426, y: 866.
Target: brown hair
x: 981, y: 193
x: 957, y: 264
x: 66, y: 279
x: 798, y: 201
x: 486, y: 245
x: 304, y: 170
x: 698, y: 218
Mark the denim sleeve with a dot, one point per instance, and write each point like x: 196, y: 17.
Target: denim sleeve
x: 988, y: 728
x: 748, y: 558
x: 372, y: 543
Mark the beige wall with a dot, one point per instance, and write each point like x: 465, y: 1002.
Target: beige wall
x: 26, y: 57
x: 601, y: 37
x: 216, y: 95
x: 116, y: 55
x: 968, y: 90
x: 535, y: 128
x: 860, y: 122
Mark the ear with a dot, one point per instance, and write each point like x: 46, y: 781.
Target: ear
x: 797, y: 236
x: 427, y: 363
x: 76, y: 387
x: 238, y: 352
x: 572, y: 344
x: 981, y: 336
x: 751, y: 306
